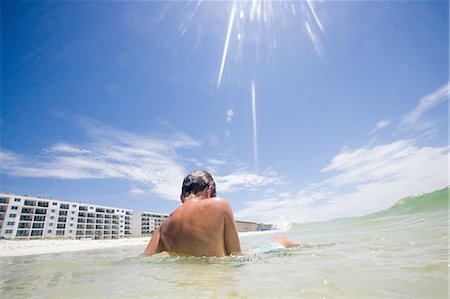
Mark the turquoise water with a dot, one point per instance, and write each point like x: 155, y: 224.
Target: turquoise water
x: 401, y: 252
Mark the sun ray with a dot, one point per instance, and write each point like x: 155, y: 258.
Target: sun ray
x: 255, y: 139
x: 227, y: 40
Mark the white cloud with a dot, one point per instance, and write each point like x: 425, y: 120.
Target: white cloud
x: 380, y: 125
x: 216, y: 162
x: 426, y: 103
x: 246, y: 180
x: 112, y: 153
x: 414, y: 120
x: 67, y: 148
x: 136, y: 191
x: 365, y: 180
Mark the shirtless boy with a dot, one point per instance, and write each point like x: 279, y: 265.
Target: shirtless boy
x: 202, y: 226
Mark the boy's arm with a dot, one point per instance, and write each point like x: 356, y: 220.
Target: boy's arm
x: 232, y: 245
x: 154, y: 246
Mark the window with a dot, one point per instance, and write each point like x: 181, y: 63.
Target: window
x: 29, y: 203
x: 10, y: 223
x: 52, y: 211
x: 55, y: 203
x: 49, y: 231
x: 12, y: 215
x: 36, y: 233
x: 39, y: 218
x: 52, y: 217
x: 17, y: 199
x: 8, y: 231
x: 74, y: 206
x: 50, y: 224
x: 14, y: 208
x: 38, y: 225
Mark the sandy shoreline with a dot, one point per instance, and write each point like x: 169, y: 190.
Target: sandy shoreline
x: 31, y: 247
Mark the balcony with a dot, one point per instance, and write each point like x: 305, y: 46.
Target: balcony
x: 61, y: 226
x: 41, y: 211
x: 26, y: 218
x: 24, y: 225
x: 81, y: 220
x: 4, y: 200
x: 39, y: 218
x: 62, y: 213
x: 38, y: 225
x: 82, y: 208
x: 64, y: 206
x: 30, y: 203
x: 36, y: 233
x: 27, y: 211
x: 81, y: 214
x: 43, y: 204
x: 22, y: 233
x: 62, y: 219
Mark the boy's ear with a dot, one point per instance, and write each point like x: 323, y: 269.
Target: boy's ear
x: 209, y: 191
x: 182, y: 198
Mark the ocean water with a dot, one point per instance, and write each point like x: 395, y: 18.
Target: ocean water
x: 401, y: 252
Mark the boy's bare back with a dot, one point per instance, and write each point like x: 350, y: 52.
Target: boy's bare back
x: 202, y: 226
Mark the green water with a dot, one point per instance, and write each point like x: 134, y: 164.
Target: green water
x: 401, y: 252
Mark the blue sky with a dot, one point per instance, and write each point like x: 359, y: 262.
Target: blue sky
x: 302, y: 111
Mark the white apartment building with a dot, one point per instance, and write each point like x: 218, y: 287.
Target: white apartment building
x: 25, y: 217
x: 146, y: 222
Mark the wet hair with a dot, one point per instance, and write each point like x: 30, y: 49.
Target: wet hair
x: 197, y: 181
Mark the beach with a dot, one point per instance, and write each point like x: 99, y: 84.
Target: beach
x: 401, y: 252
x: 9, y: 248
